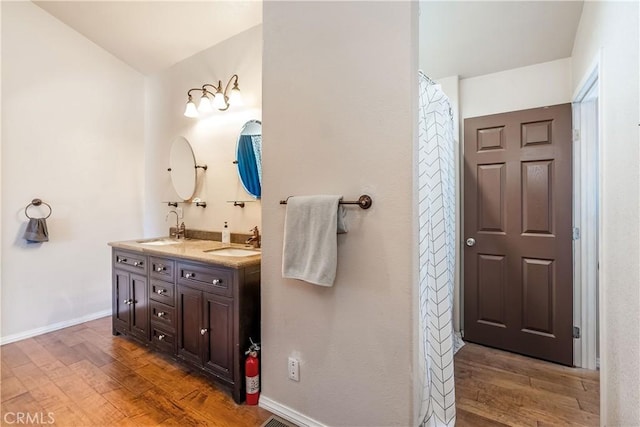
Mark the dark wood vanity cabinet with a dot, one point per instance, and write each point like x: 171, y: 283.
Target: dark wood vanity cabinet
x: 130, y: 297
x: 218, y: 311
x: 204, y: 315
x: 205, y: 325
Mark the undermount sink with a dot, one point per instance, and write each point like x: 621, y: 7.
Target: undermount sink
x: 233, y: 252
x: 160, y: 242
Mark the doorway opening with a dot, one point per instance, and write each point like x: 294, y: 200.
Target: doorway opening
x: 586, y: 220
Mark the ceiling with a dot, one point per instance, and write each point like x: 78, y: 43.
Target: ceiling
x: 465, y: 38
x: 472, y: 38
x: 153, y: 35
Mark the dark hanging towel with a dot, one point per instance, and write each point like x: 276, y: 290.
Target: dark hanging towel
x: 36, y: 231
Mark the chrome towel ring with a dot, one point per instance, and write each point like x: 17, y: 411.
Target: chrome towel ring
x: 37, y: 202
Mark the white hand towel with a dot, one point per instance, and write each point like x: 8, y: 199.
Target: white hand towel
x: 310, y: 250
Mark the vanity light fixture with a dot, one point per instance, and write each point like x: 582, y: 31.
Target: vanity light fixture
x: 222, y: 100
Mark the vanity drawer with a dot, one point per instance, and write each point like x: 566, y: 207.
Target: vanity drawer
x: 130, y: 261
x: 162, y: 292
x: 209, y: 279
x: 162, y: 268
x: 162, y: 314
x: 163, y: 339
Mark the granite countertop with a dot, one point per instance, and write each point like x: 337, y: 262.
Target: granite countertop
x: 191, y: 249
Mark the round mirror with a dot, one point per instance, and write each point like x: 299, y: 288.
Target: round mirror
x: 249, y: 157
x: 183, y: 168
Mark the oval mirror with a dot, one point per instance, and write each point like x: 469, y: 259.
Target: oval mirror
x: 183, y: 168
x: 249, y: 157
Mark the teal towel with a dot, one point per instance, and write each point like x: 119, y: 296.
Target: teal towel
x: 36, y: 231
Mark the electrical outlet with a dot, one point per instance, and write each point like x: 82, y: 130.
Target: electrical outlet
x: 180, y: 213
x: 294, y: 369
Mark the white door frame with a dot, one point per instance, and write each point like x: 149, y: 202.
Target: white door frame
x: 586, y: 208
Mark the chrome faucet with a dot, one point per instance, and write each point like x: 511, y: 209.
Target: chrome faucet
x: 255, y: 239
x: 180, y: 231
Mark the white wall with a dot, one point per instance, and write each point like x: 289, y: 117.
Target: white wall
x: 339, y: 120
x: 213, y: 137
x: 72, y: 135
x: 548, y: 83
x: 611, y: 29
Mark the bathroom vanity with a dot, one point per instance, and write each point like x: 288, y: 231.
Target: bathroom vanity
x: 194, y: 300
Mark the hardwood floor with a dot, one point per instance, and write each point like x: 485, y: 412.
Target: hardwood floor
x: 496, y: 388
x: 84, y: 376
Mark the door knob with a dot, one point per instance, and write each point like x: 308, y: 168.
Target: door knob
x: 203, y: 331
x: 471, y: 241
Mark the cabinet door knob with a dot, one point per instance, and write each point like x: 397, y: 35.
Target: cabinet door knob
x: 216, y: 281
x: 189, y: 275
x: 126, y: 301
x: 160, y: 291
x: 160, y: 268
x: 203, y: 331
x: 161, y: 314
x: 160, y: 337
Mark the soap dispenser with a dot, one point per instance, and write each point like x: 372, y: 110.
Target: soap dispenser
x: 226, y: 235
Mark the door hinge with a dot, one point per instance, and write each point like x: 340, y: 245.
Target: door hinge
x: 576, y: 233
x: 576, y: 135
x: 576, y: 332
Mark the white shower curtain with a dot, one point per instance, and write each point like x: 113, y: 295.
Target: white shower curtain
x: 436, y: 216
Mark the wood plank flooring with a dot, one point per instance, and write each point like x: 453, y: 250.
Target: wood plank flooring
x: 84, y: 376
x: 496, y: 388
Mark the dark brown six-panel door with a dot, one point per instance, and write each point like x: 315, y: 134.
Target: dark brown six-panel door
x: 518, y: 274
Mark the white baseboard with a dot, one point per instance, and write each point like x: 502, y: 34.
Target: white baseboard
x: 287, y: 413
x: 54, y: 327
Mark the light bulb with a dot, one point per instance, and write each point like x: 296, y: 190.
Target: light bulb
x: 219, y: 102
x: 191, y: 110
x: 205, y: 105
x: 235, y: 97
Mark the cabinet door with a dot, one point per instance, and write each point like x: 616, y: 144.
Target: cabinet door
x: 189, y: 324
x: 218, y: 341
x: 139, y: 307
x: 120, y: 301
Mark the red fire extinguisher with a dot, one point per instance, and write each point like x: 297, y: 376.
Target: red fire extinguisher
x: 252, y: 374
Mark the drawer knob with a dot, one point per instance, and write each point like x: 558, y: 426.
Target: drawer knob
x: 161, y: 291
x: 137, y: 263
x: 121, y: 260
x: 160, y: 337
x: 161, y: 314
x: 203, y: 331
x: 190, y: 275
x: 160, y: 268
x: 216, y: 281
